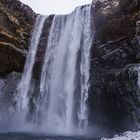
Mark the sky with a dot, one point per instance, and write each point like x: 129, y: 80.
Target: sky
x: 47, y: 7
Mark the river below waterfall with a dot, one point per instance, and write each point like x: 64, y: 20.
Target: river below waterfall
x: 29, y: 136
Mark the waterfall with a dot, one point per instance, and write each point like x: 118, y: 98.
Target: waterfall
x: 24, y: 85
x: 57, y: 102
x: 66, y: 63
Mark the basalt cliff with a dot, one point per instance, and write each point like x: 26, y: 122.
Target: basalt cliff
x: 114, y: 96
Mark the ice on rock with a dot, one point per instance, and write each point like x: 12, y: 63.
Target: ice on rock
x: 129, y: 135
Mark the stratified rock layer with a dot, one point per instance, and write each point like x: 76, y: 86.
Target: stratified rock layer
x: 16, y: 21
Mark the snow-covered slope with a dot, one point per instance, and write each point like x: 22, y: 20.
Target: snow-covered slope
x: 126, y: 136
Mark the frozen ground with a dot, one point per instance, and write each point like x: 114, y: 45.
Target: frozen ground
x: 126, y: 136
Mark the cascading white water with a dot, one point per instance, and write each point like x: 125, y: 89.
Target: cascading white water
x: 70, y: 37
x: 60, y: 104
x: 47, y: 73
x: 24, y: 85
x: 88, y: 35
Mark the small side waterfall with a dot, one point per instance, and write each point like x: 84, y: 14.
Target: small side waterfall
x: 24, y: 85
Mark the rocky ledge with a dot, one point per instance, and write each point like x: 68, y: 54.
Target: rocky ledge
x: 16, y: 21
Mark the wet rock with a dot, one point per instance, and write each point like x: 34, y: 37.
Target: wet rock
x: 114, y: 93
x: 8, y: 90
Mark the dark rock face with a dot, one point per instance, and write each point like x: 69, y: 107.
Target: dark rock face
x: 114, y: 93
x: 16, y: 21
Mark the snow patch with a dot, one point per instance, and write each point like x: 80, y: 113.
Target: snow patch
x: 126, y: 136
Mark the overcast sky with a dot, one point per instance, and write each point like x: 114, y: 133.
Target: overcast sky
x: 48, y: 7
